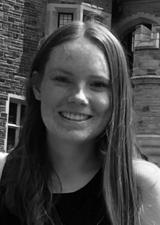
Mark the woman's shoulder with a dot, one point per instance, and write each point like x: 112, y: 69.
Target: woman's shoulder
x: 3, y: 157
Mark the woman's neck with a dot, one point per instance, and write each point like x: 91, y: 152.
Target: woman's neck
x: 75, y: 163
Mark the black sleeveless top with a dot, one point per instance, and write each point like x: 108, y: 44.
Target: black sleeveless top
x: 83, y: 207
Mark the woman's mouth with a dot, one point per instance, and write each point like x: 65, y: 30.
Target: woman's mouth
x: 75, y: 116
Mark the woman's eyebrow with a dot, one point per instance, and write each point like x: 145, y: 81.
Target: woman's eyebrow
x: 62, y: 71
x: 100, y: 78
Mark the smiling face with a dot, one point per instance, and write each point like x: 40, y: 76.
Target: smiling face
x: 75, y: 92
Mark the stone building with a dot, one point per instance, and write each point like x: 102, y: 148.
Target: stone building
x: 138, y: 26
x: 23, y: 23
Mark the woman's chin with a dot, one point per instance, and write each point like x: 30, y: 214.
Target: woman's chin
x: 75, y: 136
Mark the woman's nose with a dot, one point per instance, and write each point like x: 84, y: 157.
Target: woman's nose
x: 80, y: 97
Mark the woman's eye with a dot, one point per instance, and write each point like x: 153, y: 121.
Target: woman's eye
x: 62, y: 79
x: 98, y: 85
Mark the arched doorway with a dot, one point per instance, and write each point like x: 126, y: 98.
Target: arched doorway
x: 130, y: 40
x: 126, y: 29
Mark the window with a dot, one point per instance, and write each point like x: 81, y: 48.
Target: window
x: 64, y: 18
x: 16, y: 111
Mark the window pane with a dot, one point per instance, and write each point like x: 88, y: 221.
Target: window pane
x: 64, y: 18
x: 12, y: 112
x: 22, y: 114
x: 11, y: 138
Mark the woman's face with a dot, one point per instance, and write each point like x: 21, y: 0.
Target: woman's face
x: 75, y: 92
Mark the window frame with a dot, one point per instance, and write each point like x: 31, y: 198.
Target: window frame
x: 19, y: 100
x: 64, y: 13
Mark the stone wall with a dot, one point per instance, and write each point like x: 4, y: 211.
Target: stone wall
x: 130, y: 7
x: 129, y: 15
x: 20, y: 31
x: 146, y: 78
x: 147, y: 62
x: 147, y: 105
x: 106, y: 4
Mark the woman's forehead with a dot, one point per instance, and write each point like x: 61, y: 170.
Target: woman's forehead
x: 78, y: 57
x: 76, y: 48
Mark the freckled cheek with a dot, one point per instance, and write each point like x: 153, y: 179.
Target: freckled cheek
x: 52, y: 96
x: 103, y: 104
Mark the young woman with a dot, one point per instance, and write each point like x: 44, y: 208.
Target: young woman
x: 76, y: 163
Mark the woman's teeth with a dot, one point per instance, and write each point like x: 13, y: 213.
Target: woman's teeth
x: 74, y: 116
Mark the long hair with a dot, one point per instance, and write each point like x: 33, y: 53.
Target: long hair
x: 29, y: 189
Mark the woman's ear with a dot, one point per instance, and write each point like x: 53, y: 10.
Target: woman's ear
x: 36, y: 85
